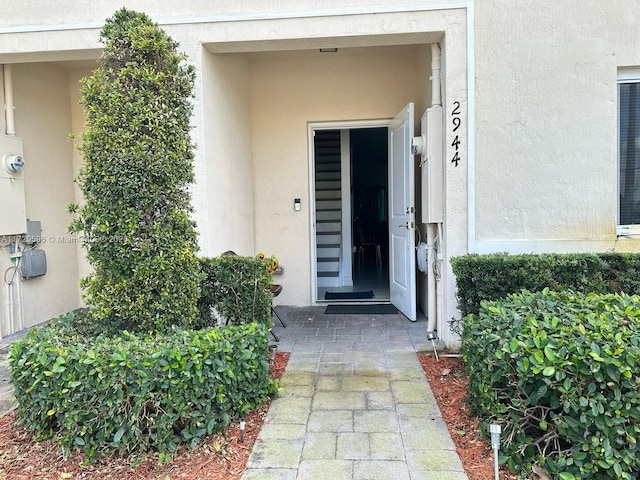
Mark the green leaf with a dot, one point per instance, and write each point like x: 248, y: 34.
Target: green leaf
x: 566, y: 476
x: 549, y: 371
x: 118, y: 435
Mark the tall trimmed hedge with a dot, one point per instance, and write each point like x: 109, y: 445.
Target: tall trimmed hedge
x: 491, y: 277
x: 132, y: 392
x: 138, y: 159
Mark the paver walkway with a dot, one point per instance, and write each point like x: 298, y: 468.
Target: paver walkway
x: 356, y: 404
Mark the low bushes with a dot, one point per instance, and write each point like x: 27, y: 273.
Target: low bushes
x: 491, y: 277
x: 559, y: 372
x: 132, y: 392
x: 235, y: 290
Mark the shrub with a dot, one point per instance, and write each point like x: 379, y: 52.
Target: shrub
x: 559, y: 372
x: 235, y: 290
x: 138, y: 157
x: 491, y: 277
x: 138, y: 393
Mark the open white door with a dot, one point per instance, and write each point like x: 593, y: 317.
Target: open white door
x: 402, y: 258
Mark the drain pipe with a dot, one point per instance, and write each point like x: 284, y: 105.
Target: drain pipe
x: 9, y: 107
x: 431, y: 278
x: 436, y: 95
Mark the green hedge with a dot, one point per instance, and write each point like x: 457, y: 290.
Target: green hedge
x: 559, y: 372
x: 491, y: 277
x: 235, y: 290
x: 137, y: 170
x: 138, y: 393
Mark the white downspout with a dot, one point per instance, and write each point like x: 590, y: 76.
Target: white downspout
x: 431, y: 278
x: 433, y: 229
x: 9, y: 107
x: 436, y: 95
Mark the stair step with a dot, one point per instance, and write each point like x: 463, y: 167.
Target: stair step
x: 328, y: 167
x: 332, y: 194
x: 328, y: 252
x: 328, y: 259
x: 328, y: 184
x: 328, y: 274
x: 324, y: 238
x: 329, y: 226
x: 324, y: 267
x: 327, y: 175
x: 331, y: 214
x: 322, y: 204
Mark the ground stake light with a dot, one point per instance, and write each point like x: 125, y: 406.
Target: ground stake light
x: 241, y: 431
x: 432, y: 338
x: 495, y: 431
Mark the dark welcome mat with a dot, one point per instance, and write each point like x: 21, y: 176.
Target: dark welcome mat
x: 348, y: 295
x: 367, y: 309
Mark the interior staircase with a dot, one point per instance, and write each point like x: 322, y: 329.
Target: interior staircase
x: 328, y: 207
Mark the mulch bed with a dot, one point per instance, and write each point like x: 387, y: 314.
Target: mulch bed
x: 448, y: 381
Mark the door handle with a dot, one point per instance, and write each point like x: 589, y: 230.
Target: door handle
x: 406, y: 225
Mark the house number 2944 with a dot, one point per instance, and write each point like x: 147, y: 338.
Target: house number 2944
x: 456, y: 121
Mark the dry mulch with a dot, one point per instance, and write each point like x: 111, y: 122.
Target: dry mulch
x: 224, y: 456
x: 448, y: 381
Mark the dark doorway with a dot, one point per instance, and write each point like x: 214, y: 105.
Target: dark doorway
x: 369, y: 190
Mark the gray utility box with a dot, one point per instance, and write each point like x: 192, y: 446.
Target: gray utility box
x: 33, y: 263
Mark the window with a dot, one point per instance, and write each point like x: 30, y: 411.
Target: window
x: 629, y: 152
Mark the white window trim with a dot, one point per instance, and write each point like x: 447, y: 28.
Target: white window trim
x: 630, y: 75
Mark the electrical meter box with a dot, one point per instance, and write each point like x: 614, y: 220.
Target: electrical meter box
x: 33, y: 263
x: 432, y: 166
x: 13, y: 219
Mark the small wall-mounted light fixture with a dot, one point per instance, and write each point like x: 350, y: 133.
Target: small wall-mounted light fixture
x: 328, y: 50
x: 297, y: 206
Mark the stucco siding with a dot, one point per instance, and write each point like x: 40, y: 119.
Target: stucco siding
x: 287, y: 94
x: 546, y: 162
x: 43, y: 122
x: 227, y: 222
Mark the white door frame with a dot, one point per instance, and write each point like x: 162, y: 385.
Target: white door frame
x: 311, y: 127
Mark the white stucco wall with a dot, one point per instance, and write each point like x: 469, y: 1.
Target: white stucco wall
x: 43, y: 122
x: 289, y: 92
x: 546, y: 158
x: 227, y: 167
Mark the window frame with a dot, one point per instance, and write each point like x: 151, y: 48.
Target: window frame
x: 630, y: 75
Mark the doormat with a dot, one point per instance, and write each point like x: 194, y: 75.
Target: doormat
x: 367, y: 309
x: 348, y: 295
